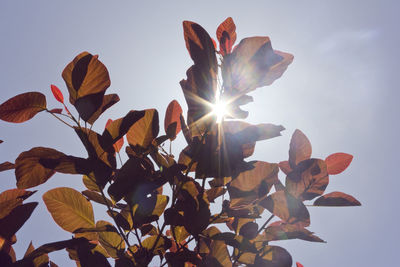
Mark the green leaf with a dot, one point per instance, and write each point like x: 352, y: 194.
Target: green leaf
x: 69, y: 208
x: 22, y: 107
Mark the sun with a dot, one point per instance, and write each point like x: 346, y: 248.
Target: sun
x: 220, y: 109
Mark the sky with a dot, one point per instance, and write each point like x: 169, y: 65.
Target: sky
x: 341, y: 90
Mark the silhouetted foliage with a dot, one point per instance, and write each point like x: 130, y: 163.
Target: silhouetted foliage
x: 181, y: 228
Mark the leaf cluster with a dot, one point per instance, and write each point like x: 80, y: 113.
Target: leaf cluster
x: 181, y: 228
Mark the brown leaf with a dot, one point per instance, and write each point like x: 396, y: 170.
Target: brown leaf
x: 338, y: 162
x: 22, y: 107
x: 287, y: 207
x: 6, y: 166
x: 30, y: 170
x: 96, y: 197
x: 285, y: 167
x: 336, y: 199
x: 87, y: 80
x: 8, y: 205
x: 286, y: 231
x: 15, y: 193
x: 273, y: 256
x: 10, y: 224
x: 38, y: 261
x: 300, y: 148
x: 172, y: 119
x: 69, y: 209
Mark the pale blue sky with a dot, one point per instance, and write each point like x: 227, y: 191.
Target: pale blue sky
x: 341, y: 91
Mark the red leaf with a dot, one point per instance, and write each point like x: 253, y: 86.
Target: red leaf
x: 226, y: 34
x: 172, y: 115
x: 338, y: 162
x: 300, y: 148
x: 22, y: 107
x: 338, y: 199
x: 57, y: 93
x: 56, y: 110
x: 298, y: 264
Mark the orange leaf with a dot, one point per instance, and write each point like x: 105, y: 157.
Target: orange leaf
x: 336, y: 199
x: 172, y: 118
x: 338, y: 162
x: 300, y: 148
x: 285, y: 167
x: 143, y: 131
x: 22, y: 107
x: 6, y: 166
x: 298, y: 264
x: 57, y: 93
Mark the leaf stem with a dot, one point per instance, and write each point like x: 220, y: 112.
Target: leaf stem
x: 66, y: 123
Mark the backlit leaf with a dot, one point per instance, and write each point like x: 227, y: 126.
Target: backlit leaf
x: 22, y: 107
x: 273, y: 256
x: 308, y: 179
x: 287, y: 207
x: 120, y: 142
x: 57, y: 93
x: 30, y: 170
x: 87, y: 80
x: 69, y: 209
x: 253, y: 184
x: 96, y: 197
x: 56, y: 110
x: 111, y: 241
x: 298, y: 264
x: 226, y: 35
x: 15, y: 193
x: 144, y: 130
x: 300, y: 148
x: 338, y: 162
x: 38, y: 261
x: 172, y: 119
x: 8, y: 205
x: 285, y: 167
x: 90, y: 183
x: 108, y: 101
x: 336, y: 199
x: 115, y: 130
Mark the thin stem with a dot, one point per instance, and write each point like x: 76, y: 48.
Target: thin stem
x: 121, y: 233
x: 265, y: 224
x: 59, y: 119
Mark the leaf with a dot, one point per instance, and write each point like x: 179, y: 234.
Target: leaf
x: 144, y: 130
x: 115, y: 130
x: 199, y: 44
x: 15, y: 193
x: 120, y: 142
x: 56, y: 110
x: 298, y: 264
x: 252, y: 64
x: 338, y: 162
x: 10, y: 224
x: 285, y: 167
x: 287, y: 207
x: 38, y: 261
x: 108, y: 101
x: 253, y: 184
x: 22, y: 107
x: 308, y: 179
x: 338, y: 199
x: 6, y: 166
x: 226, y: 35
x: 163, y: 243
x: 57, y: 93
x: 273, y: 256
x: 87, y: 80
x: 286, y: 231
x: 90, y: 183
x: 111, y: 241
x: 300, y: 148
x: 8, y: 205
x: 69, y: 209
x: 172, y: 119
x: 235, y: 241
x: 30, y: 170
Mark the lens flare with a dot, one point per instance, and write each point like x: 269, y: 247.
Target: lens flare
x: 219, y: 109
